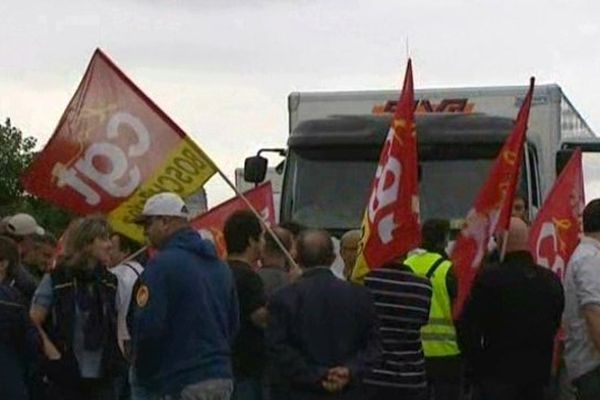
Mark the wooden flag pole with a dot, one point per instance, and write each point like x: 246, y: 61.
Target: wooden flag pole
x: 285, y: 251
x: 503, y: 249
x: 132, y: 255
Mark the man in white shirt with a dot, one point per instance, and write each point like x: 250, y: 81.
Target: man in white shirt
x: 582, y: 308
x: 127, y: 272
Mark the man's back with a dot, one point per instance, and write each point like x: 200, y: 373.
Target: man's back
x: 515, y: 309
x: 318, y: 323
x: 402, y: 300
x: 186, y: 319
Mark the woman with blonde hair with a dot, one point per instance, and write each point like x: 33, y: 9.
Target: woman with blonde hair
x: 74, y: 308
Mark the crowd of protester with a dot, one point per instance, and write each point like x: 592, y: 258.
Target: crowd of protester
x: 96, y: 316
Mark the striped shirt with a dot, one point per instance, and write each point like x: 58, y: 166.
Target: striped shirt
x: 402, y: 301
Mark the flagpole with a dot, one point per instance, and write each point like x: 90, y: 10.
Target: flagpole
x: 503, y: 249
x: 257, y: 214
x: 132, y: 255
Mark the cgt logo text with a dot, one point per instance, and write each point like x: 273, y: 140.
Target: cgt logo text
x: 120, y: 178
x: 426, y: 106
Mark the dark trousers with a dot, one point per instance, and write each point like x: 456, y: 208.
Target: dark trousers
x: 497, y: 390
x: 444, y: 390
x: 247, y: 388
x: 588, y: 385
x: 88, y: 389
x: 444, y: 377
x: 388, y: 393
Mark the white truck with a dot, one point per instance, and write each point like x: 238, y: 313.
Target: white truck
x: 335, y: 139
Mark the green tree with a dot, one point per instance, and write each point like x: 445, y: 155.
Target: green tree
x: 16, y: 153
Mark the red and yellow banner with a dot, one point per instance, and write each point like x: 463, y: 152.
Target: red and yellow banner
x: 114, y: 148
x: 556, y: 231
x: 491, y: 213
x: 210, y: 225
x: 391, y: 225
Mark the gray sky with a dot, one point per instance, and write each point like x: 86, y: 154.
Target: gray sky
x: 223, y: 69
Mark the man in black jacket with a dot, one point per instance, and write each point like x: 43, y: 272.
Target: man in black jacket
x: 322, y: 332
x: 508, y: 325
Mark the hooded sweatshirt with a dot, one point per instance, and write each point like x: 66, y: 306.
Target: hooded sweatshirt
x: 185, y: 316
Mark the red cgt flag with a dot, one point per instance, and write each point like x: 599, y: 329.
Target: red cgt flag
x: 113, y: 148
x: 557, y: 228
x: 555, y: 233
x: 391, y: 222
x: 210, y: 224
x: 492, y: 209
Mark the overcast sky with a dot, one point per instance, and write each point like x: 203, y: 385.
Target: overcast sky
x: 223, y: 69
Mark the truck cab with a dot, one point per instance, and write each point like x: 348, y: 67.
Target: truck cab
x: 335, y: 141
x: 331, y: 163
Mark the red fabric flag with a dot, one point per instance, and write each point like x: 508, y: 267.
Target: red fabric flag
x: 210, y: 224
x: 492, y: 209
x: 113, y: 148
x: 557, y: 228
x: 391, y: 225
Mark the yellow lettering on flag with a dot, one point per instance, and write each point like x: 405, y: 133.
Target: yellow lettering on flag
x: 185, y: 170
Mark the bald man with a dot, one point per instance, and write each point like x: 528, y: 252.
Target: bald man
x: 322, y: 333
x: 349, y: 250
x: 508, y: 325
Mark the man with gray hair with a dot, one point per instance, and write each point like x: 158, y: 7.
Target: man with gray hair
x: 349, y: 250
x: 322, y: 332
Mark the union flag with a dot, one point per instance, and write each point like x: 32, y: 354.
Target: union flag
x: 555, y: 233
x: 491, y: 213
x: 391, y: 225
x: 114, y: 148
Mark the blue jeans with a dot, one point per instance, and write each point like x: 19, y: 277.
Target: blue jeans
x: 247, y: 389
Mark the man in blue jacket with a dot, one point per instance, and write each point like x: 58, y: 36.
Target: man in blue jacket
x: 322, y: 334
x: 186, y: 310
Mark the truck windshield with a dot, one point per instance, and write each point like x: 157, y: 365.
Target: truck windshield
x: 332, y: 193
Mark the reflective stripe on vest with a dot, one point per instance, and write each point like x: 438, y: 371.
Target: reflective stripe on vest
x: 439, y: 335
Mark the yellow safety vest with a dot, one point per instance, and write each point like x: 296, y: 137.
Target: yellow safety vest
x: 439, y: 335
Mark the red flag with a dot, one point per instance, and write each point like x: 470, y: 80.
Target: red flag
x: 557, y: 228
x: 492, y: 209
x: 210, y: 224
x: 112, y: 149
x: 391, y: 222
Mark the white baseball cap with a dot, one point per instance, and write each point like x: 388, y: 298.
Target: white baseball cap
x: 166, y: 204
x: 23, y: 225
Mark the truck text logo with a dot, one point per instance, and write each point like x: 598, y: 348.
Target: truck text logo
x: 426, y: 106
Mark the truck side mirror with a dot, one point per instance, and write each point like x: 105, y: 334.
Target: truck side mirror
x: 255, y: 169
x: 562, y: 158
